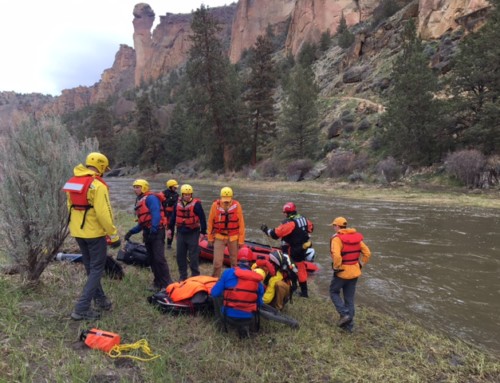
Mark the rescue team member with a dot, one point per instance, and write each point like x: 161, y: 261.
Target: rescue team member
x: 349, y: 253
x: 226, y: 227
x: 277, y: 290
x: 189, y: 218
x: 90, y: 221
x: 294, y: 231
x: 171, y: 198
x: 152, y: 221
x: 241, y: 291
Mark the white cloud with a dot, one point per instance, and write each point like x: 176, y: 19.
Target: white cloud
x: 52, y: 45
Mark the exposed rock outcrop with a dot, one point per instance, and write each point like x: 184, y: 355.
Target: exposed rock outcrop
x: 436, y: 17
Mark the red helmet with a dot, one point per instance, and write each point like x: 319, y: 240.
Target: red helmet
x: 245, y: 254
x: 289, y: 207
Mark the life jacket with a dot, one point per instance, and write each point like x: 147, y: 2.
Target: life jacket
x: 78, y: 187
x: 180, y: 291
x: 171, y: 199
x: 244, y: 295
x: 143, y: 213
x: 299, y: 234
x: 351, y: 249
x: 185, y: 216
x: 227, y: 222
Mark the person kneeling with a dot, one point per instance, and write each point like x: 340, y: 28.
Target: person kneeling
x: 238, y: 296
x: 277, y: 290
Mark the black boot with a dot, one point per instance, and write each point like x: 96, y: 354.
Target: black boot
x: 303, y: 290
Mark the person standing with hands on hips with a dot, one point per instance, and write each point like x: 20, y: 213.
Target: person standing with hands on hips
x: 349, y: 254
x: 90, y: 221
x: 226, y: 227
x: 189, y: 219
x: 152, y: 222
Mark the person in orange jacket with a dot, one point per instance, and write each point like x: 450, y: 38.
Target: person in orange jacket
x: 226, y: 227
x: 294, y: 231
x: 349, y: 253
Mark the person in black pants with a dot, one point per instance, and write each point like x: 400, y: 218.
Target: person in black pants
x: 189, y: 219
x: 152, y: 222
x: 171, y: 198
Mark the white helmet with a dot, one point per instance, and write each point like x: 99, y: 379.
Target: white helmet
x: 310, y: 254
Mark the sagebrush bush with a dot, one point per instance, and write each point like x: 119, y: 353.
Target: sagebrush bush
x: 389, y: 169
x: 36, y: 158
x: 340, y: 164
x: 466, y: 166
x: 268, y: 168
x: 301, y: 167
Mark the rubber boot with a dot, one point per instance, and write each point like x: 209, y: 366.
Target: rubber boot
x: 303, y: 290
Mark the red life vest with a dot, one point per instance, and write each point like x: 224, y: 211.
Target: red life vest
x: 185, y: 216
x: 351, y: 249
x: 227, y: 222
x: 244, y: 295
x: 78, y: 187
x: 143, y: 213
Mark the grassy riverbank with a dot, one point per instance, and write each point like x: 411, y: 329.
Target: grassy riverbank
x: 39, y: 343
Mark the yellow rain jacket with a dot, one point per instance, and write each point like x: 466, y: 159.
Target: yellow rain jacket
x: 99, y: 219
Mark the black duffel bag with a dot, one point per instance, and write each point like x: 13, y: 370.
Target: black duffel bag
x: 134, y: 254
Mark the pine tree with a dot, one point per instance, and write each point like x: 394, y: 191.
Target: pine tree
x: 299, y: 115
x: 101, y: 127
x: 345, y: 37
x: 259, y: 97
x: 412, y: 122
x: 475, y: 81
x: 214, y: 89
x: 149, y: 132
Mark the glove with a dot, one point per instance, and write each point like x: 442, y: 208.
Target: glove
x: 116, y: 244
x: 128, y: 235
x: 264, y: 228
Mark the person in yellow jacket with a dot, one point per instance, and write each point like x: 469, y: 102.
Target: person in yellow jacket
x: 90, y: 222
x: 349, y: 254
x: 277, y: 291
x: 226, y: 227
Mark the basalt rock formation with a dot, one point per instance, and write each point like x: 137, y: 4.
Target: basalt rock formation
x: 156, y: 53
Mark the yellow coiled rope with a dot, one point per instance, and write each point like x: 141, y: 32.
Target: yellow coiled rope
x: 116, y: 351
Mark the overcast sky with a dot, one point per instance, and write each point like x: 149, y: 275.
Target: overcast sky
x: 51, y: 45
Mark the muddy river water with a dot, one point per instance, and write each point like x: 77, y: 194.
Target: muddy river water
x: 437, y: 265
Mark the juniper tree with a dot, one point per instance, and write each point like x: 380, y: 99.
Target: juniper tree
x: 475, y: 84
x: 259, y: 96
x: 149, y: 133
x: 412, y: 122
x: 36, y: 159
x: 214, y: 89
x: 299, y: 115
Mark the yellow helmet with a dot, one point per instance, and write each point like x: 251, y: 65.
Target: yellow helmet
x: 226, y: 193
x: 171, y: 183
x: 143, y: 184
x: 98, y: 161
x: 261, y: 272
x: 186, y: 189
x: 340, y: 221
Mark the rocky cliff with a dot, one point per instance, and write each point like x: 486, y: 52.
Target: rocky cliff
x: 158, y: 52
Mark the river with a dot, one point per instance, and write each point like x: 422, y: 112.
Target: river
x: 438, y: 265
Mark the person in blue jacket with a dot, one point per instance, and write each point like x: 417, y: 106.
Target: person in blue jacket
x: 241, y: 290
x: 152, y: 222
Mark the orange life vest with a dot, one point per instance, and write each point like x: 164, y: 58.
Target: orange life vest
x: 351, y: 249
x: 143, y: 213
x: 227, y: 222
x: 78, y: 187
x: 181, y: 291
x: 185, y: 215
x: 244, y: 295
